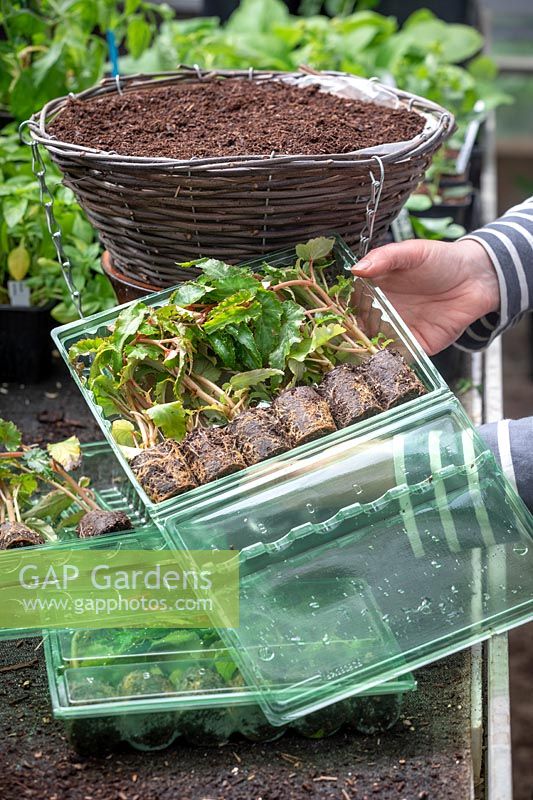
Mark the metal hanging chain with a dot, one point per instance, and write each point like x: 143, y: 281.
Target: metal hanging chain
x: 376, y: 187
x: 54, y: 229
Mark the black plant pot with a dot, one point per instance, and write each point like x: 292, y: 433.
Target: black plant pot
x: 25, y: 343
x: 461, y: 210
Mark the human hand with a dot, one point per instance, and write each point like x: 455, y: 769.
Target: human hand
x: 438, y: 288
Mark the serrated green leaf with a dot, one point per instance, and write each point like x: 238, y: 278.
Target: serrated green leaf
x: 246, y: 347
x: 237, y: 308
x: 291, y: 322
x: 10, y: 436
x: 37, y: 460
x: 188, y: 293
x: 268, y: 324
x: 127, y: 324
x: 224, y: 347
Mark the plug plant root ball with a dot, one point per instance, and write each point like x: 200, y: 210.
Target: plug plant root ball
x: 212, y: 453
x: 393, y: 380
x: 99, y: 523
x: 303, y: 415
x: 16, y: 534
x: 163, y: 471
x: 349, y: 396
x: 257, y: 434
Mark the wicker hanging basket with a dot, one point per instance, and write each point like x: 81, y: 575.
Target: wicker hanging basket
x: 153, y: 212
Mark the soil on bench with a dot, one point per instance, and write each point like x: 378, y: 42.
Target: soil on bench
x: 231, y: 118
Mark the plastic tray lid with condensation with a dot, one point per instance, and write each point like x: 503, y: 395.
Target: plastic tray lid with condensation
x: 374, y: 556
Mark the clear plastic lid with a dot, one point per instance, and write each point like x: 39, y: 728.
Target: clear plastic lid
x: 373, y: 556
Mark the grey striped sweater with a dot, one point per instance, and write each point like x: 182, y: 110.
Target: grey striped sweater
x: 509, y: 244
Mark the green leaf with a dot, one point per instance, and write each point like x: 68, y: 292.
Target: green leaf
x: 187, y: 294
x: 315, y: 249
x: 43, y: 65
x: 237, y: 308
x: 10, y: 436
x: 225, y: 667
x: 127, y: 324
x: 14, y: 209
x: 224, y: 347
x: 42, y: 527
x: 67, y: 453
x: 123, y: 432
x: 105, y: 393
x: 37, y: 460
x: 170, y: 418
x: 50, y: 506
x: 257, y: 16
x: 242, y: 380
x: 138, y: 36
x: 247, y: 351
x: 322, y: 334
x: 268, y: 324
x: 291, y: 322
x: 71, y: 520
x: 418, y: 202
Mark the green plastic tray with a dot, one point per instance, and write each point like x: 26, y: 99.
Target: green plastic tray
x: 380, y: 317
x: 148, y: 688
x: 113, y: 492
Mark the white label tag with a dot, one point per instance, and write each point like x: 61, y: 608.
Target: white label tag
x: 401, y: 227
x: 19, y: 293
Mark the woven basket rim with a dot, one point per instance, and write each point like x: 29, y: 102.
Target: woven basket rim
x: 421, y: 143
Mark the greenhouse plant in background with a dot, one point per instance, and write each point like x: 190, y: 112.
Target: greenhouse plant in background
x: 48, y: 49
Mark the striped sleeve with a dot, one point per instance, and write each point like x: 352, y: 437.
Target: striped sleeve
x: 511, y: 441
x: 509, y: 244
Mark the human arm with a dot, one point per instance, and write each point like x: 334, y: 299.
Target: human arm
x: 465, y: 292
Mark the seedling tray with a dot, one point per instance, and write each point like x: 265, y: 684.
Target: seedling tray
x: 148, y: 688
x: 380, y: 316
x: 113, y: 492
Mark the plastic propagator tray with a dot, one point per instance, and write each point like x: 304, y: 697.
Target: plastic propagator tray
x: 375, y: 555
x: 113, y: 492
x: 379, y: 317
x: 150, y: 687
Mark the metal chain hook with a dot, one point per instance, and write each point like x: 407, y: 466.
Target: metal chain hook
x: 376, y: 187
x: 54, y: 229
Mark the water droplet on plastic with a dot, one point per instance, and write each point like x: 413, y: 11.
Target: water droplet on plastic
x: 310, y: 508
x: 520, y: 549
x: 357, y: 488
x: 265, y: 653
x: 314, y: 605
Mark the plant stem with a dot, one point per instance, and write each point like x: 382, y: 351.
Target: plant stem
x: 83, y: 493
x: 195, y: 389
x: 214, y: 388
x: 5, y: 496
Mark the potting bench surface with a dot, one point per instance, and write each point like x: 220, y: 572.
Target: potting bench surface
x: 435, y: 750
